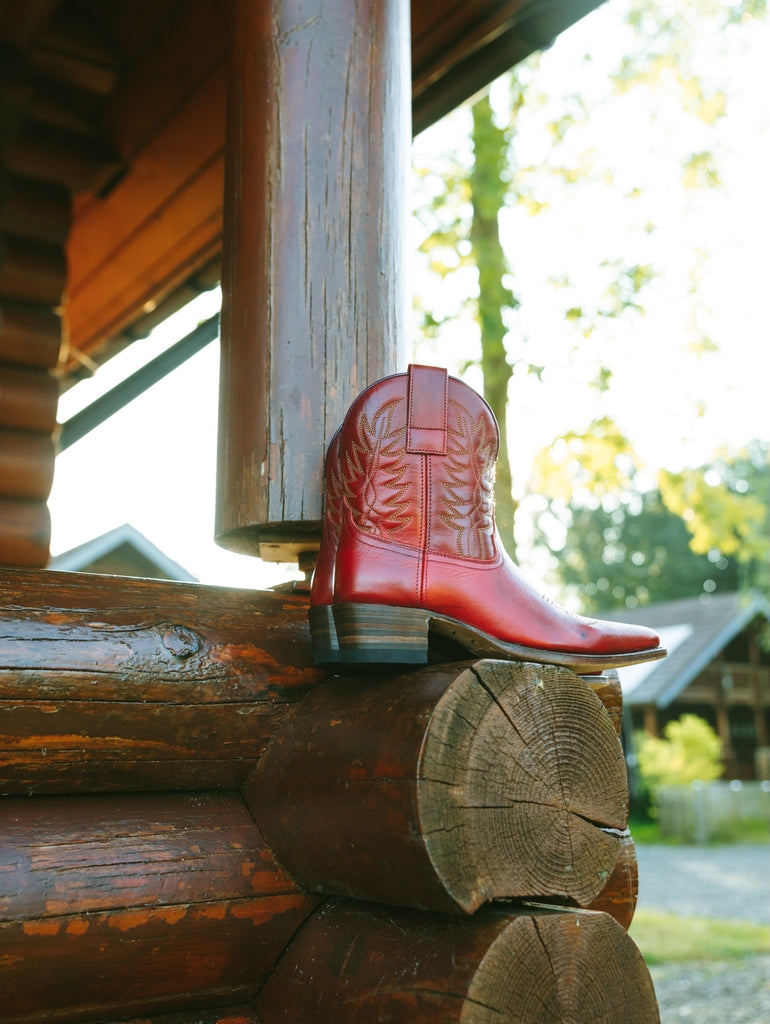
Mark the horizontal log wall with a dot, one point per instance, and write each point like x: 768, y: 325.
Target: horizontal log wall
x: 441, y: 788
x: 136, y: 904
x: 110, y: 684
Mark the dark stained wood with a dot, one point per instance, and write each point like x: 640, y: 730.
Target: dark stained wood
x: 618, y: 897
x: 358, y: 962
x: 25, y: 533
x: 28, y: 399
x: 243, y: 1014
x: 29, y: 335
x: 314, y: 259
x: 109, y: 683
x: 31, y: 271
x: 447, y: 787
x: 137, y: 904
x: 32, y: 209
x: 26, y: 464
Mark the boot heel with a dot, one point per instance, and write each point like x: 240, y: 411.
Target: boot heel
x: 381, y: 633
x: 323, y: 635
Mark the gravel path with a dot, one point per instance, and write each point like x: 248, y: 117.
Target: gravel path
x: 708, y: 881
x: 723, y: 882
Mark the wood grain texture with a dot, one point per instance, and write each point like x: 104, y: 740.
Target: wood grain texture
x: 137, y: 904
x: 446, y: 787
x: 25, y: 533
x: 26, y: 464
x: 109, y: 683
x: 29, y: 335
x: 28, y: 399
x: 361, y: 962
x: 314, y: 289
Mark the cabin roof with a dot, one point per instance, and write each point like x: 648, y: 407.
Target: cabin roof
x: 695, y: 630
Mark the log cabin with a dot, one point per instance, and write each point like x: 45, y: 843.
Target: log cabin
x: 199, y: 825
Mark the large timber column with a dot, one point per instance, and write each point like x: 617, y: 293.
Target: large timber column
x: 314, y: 275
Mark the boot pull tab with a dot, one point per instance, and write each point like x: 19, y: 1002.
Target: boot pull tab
x: 426, y: 421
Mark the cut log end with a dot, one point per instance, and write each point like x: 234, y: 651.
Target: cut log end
x: 561, y: 967
x: 354, y: 961
x: 521, y: 774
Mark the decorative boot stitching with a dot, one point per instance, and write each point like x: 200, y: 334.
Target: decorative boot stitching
x: 469, y: 500
x: 375, y: 463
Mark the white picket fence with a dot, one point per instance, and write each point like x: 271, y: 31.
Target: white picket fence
x: 696, y: 812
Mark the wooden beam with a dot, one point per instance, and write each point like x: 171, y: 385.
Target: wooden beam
x: 314, y: 256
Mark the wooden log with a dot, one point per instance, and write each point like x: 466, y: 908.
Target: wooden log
x: 29, y: 335
x: 33, y: 209
x: 446, y: 788
x: 73, y: 161
x: 243, y: 1014
x: 137, y: 904
x: 26, y: 464
x: 607, y: 689
x: 25, y: 533
x: 109, y: 683
x: 314, y: 281
x: 358, y: 962
x: 28, y: 400
x: 618, y: 897
x: 31, y: 271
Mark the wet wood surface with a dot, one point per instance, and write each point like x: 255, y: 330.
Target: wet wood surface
x: 447, y: 787
x: 110, y: 683
x: 360, y: 962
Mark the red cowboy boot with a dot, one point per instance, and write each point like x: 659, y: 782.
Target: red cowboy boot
x: 417, y: 550
x: 326, y: 649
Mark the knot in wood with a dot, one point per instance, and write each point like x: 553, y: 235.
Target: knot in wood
x: 181, y: 641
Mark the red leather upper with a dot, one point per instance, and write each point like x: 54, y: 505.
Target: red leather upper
x: 416, y: 529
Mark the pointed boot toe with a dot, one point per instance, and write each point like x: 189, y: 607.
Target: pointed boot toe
x: 410, y: 550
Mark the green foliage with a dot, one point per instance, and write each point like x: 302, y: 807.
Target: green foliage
x: 689, y: 750
x: 725, y: 506
x: 619, y: 546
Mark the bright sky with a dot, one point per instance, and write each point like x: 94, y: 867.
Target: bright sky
x: 156, y: 458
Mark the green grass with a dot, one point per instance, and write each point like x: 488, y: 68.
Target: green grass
x: 753, y: 830
x: 663, y: 938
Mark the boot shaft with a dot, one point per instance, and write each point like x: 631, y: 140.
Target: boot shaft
x: 417, y: 453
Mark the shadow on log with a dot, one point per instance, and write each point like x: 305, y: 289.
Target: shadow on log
x: 110, y: 683
x: 136, y: 903
x: 358, y: 962
x: 446, y: 788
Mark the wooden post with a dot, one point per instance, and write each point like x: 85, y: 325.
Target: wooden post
x: 313, y: 277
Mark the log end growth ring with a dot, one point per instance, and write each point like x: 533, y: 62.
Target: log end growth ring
x: 521, y: 776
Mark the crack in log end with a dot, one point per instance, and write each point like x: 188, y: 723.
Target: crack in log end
x: 560, y: 965
x: 521, y: 771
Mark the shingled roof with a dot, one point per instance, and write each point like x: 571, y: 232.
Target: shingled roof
x: 694, y: 630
